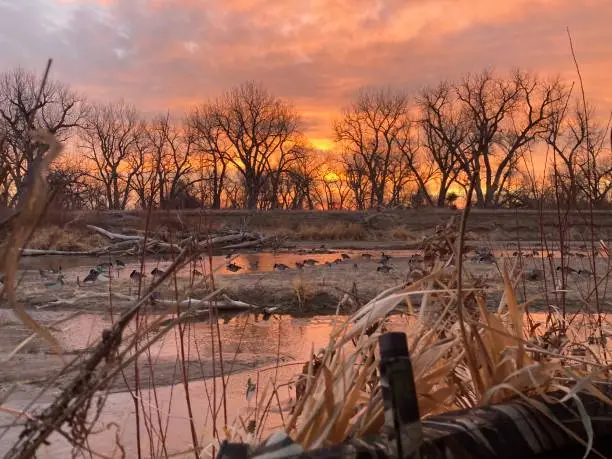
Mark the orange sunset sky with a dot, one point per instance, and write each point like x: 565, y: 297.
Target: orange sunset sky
x: 163, y: 54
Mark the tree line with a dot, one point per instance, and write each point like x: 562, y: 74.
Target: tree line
x: 247, y: 148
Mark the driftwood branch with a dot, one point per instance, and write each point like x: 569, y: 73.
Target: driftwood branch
x: 255, y: 243
x: 114, y: 236
x: 42, y: 252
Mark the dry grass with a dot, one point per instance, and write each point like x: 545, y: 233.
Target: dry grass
x: 342, y: 396
x: 332, y: 231
x: 57, y: 238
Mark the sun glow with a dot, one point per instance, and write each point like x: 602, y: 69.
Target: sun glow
x: 322, y: 144
x: 331, y: 176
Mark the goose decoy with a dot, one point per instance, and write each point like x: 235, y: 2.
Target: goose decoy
x: 120, y: 264
x: 196, y: 273
x: 57, y: 283
x: 310, y: 262
x: 106, y: 266
x: 136, y: 276
x: 367, y: 256
x: 566, y: 269
x: 345, y: 256
x: 92, y: 276
x: 254, y: 265
x: 384, y: 268
x: 534, y: 275
x: 337, y: 261
x: 157, y: 272
x: 233, y: 267
x: 280, y: 267
x: 584, y: 272
x: 251, y: 388
x: 486, y: 258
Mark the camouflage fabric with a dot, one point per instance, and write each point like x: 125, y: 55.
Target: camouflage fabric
x: 521, y: 429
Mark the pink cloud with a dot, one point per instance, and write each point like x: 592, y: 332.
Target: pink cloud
x: 317, y: 53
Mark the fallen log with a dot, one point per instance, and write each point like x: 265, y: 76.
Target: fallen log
x: 205, y: 244
x: 65, y: 253
x: 86, y: 296
x: 246, y: 244
x: 113, y: 236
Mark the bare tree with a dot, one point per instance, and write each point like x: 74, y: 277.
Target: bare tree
x: 582, y: 158
x: 109, y: 139
x: 213, y: 150
x: 373, y: 130
x: 260, y: 129
x: 58, y: 110
x: 171, y: 148
x: 444, y: 137
x: 504, y: 117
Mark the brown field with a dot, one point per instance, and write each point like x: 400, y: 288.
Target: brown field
x: 386, y: 228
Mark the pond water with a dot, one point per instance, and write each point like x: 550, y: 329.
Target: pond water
x: 249, y: 262
x: 284, y: 338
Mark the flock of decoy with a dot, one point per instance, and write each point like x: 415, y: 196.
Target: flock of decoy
x: 54, y: 278
x: 100, y: 273
x: 299, y: 265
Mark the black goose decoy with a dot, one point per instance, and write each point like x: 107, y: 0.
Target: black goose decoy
x: 92, y: 276
x: 120, y: 264
x: 584, y: 272
x: 280, y: 267
x: 566, y: 269
x: 157, y: 272
x: 233, y: 267
x: 254, y: 265
x: 136, y: 276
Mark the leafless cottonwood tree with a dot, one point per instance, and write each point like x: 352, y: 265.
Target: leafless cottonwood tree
x: 109, y: 140
x: 212, y: 151
x: 582, y: 155
x: 298, y: 182
x: 372, y: 131
x: 261, y: 131
x: 172, y: 147
x: 59, y: 110
x: 504, y: 117
x: 445, y: 134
